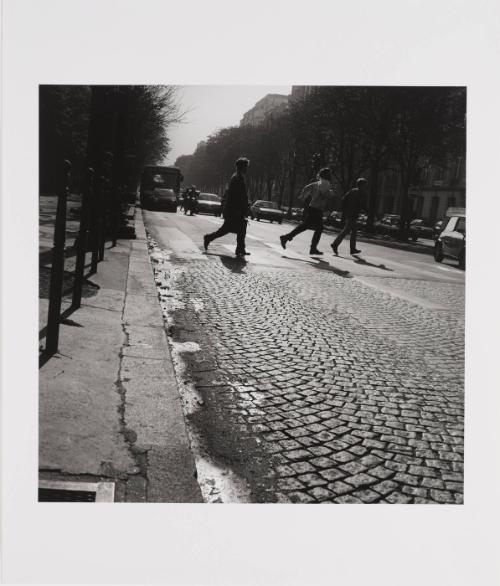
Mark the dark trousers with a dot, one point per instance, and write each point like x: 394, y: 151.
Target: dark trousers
x: 312, y: 221
x: 351, y: 226
x: 226, y: 228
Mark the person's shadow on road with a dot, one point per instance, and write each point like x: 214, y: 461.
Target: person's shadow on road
x: 362, y: 261
x: 235, y: 264
x: 322, y: 265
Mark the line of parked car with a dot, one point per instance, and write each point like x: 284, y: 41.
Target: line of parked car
x: 388, y: 225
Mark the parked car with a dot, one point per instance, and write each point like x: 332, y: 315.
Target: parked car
x: 451, y: 242
x: 362, y: 220
x: 421, y: 229
x: 389, y: 225
x: 161, y: 199
x: 438, y: 226
x: 209, y: 203
x: 334, y: 219
x: 266, y: 210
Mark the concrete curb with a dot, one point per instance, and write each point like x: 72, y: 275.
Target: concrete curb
x: 153, y: 409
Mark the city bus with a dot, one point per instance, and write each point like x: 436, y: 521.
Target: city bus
x: 160, y: 187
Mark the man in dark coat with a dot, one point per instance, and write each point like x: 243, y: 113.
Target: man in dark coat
x: 235, y: 210
x: 352, y: 203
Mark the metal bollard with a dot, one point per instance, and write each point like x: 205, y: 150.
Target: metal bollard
x: 83, y: 239
x: 94, y: 223
x: 102, y: 218
x: 57, y: 270
x: 115, y: 214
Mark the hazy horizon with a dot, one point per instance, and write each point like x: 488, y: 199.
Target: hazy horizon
x: 210, y: 108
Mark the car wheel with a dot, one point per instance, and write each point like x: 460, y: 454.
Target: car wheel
x: 438, y: 252
x: 279, y: 221
x: 258, y: 218
x: 271, y: 221
x: 461, y: 260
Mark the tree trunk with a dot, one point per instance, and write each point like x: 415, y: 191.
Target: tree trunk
x: 372, y: 203
x: 292, y: 189
x: 403, y: 232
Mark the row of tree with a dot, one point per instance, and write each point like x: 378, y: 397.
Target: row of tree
x: 82, y: 123
x: 357, y: 131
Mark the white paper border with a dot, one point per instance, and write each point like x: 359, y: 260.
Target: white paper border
x: 417, y: 42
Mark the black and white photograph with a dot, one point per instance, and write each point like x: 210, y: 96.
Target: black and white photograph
x: 247, y: 336
x: 260, y: 305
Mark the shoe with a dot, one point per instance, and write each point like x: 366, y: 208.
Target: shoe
x: 206, y: 241
x: 355, y: 251
x: 335, y: 248
x: 315, y: 251
x: 283, y: 240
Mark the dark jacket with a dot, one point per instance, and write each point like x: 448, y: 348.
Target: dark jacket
x: 352, y: 203
x: 236, y: 206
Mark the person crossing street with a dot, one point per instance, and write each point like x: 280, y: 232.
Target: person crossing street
x: 235, y: 210
x: 352, y: 203
x: 321, y: 196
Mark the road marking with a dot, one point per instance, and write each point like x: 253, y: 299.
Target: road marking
x: 180, y: 243
x: 449, y: 269
x: 289, y: 253
x: 218, y: 221
x: 408, y: 268
x: 455, y: 270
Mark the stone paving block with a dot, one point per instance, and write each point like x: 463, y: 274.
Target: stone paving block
x: 286, y: 484
x: 385, y: 487
x: 320, y: 450
x: 321, y: 493
x: 321, y: 462
x: 284, y: 470
x: 332, y: 474
x: 370, y: 461
x: 289, y: 444
x: 422, y: 471
x: 442, y: 496
x: 361, y: 479
x: 311, y: 480
x: 343, y: 457
x: 300, y: 497
x: 308, y: 441
x: 407, y: 479
x: 398, y: 498
x: 298, y: 455
x: 415, y: 491
x: 353, y: 467
x: 367, y: 495
x: 347, y: 499
x: 302, y: 467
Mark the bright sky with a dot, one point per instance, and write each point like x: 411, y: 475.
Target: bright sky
x: 212, y: 107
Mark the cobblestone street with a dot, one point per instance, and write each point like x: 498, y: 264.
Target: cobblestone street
x: 306, y: 382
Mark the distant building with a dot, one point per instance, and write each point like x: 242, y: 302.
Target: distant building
x: 300, y: 92
x: 270, y: 105
x: 437, y: 189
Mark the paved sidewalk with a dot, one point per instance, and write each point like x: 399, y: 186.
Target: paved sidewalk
x: 109, y: 407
